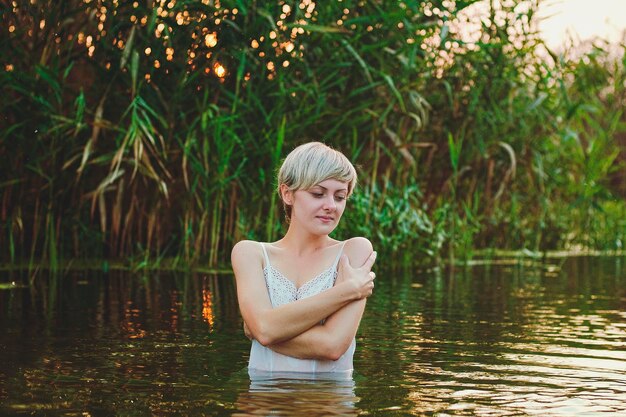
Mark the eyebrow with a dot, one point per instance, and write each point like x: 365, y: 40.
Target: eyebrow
x: 321, y: 186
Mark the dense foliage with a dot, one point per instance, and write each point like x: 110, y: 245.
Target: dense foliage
x: 152, y: 130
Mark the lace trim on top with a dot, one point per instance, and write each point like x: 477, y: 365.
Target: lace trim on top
x: 282, y: 290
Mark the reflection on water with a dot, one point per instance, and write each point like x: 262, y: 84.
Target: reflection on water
x: 499, y: 340
x: 298, y: 395
x: 515, y: 343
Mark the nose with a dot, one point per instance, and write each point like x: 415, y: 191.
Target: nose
x: 330, y: 203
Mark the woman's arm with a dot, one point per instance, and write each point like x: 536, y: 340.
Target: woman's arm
x: 331, y: 340
x: 270, y: 325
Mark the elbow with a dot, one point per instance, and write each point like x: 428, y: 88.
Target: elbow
x: 265, y: 340
x: 265, y: 331
x: 333, y: 355
x: 264, y: 336
x: 332, y: 350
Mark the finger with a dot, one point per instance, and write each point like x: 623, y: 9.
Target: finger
x: 369, y: 261
x: 372, y: 275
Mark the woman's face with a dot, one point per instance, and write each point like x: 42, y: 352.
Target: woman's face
x: 319, y: 208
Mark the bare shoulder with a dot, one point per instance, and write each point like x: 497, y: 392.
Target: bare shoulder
x: 358, y: 250
x: 246, y: 246
x: 245, y: 251
x: 361, y: 244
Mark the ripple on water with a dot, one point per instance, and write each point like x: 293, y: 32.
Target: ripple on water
x: 482, y: 342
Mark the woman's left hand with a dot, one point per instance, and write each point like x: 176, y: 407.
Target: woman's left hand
x: 362, y: 278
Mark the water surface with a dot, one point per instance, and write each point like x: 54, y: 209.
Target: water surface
x: 519, y: 339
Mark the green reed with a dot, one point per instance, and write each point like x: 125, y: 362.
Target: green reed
x: 162, y: 150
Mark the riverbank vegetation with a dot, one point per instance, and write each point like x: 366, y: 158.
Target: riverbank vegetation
x: 150, y: 132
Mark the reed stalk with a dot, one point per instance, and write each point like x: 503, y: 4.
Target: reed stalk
x: 157, y: 134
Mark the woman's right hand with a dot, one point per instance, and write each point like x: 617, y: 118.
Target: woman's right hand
x: 360, y: 279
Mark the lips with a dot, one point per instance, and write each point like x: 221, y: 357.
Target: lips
x: 326, y: 219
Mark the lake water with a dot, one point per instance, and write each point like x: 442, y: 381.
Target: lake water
x: 513, y: 339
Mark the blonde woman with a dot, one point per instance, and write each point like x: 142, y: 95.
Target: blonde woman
x: 303, y: 296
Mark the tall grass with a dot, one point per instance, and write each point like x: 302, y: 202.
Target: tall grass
x: 155, y: 136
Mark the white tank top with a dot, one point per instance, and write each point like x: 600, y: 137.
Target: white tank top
x: 282, y: 291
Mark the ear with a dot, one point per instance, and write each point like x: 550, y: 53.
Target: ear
x: 286, y: 194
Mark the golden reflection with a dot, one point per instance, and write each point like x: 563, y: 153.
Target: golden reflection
x: 211, y: 39
x: 130, y: 322
x: 174, y: 15
x: 219, y: 70
x: 207, y: 306
x: 174, y: 311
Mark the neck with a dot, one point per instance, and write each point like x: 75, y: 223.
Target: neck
x: 302, y: 242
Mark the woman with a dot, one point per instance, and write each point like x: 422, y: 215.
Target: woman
x: 302, y: 297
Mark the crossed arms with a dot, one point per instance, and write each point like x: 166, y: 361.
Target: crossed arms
x: 294, y: 329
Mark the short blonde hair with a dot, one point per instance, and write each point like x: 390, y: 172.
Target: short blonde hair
x: 311, y: 163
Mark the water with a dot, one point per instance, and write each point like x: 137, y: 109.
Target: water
x: 542, y: 339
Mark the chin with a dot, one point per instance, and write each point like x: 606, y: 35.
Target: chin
x: 323, y: 229
x: 328, y: 229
